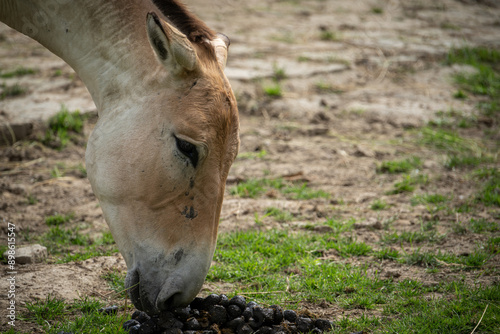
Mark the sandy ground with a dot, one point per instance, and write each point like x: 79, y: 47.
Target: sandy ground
x: 349, y: 100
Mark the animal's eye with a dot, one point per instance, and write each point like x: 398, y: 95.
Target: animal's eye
x: 188, y: 149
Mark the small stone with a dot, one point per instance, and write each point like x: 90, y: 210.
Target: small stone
x: 290, y: 315
x: 29, y: 254
x: 238, y: 301
x: 108, y: 310
x: 140, y: 316
x: 130, y: 323
x: 304, y: 325
x: 245, y: 329
x: 323, y: 325
x: 233, y: 311
x: 218, y: 314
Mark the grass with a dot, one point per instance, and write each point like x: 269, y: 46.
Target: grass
x: 408, y: 183
x: 63, y: 127
x: 428, y: 199
x: 329, y: 35
x: 11, y: 91
x: 18, y: 72
x: 81, y: 316
x: 485, y: 81
x: 58, y: 219
x: 254, y: 188
x: 273, y: 90
x: 490, y: 193
x: 66, y: 245
x: 289, y: 267
x: 378, y: 205
x: 399, y: 166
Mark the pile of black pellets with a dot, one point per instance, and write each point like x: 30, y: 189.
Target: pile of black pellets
x: 217, y: 314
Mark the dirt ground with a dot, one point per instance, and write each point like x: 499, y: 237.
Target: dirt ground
x: 361, y: 76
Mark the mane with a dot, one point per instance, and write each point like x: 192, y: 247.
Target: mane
x: 191, y: 26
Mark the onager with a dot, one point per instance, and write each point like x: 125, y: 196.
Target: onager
x: 167, y: 132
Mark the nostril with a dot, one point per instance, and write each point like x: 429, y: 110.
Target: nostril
x: 170, y: 303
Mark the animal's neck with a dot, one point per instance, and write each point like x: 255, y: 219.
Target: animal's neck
x: 104, y: 41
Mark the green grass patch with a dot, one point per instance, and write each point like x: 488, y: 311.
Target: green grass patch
x: 466, y: 161
x: 279, y: 215
x: 429, y: 199
x: 273, y: 90
x: 408, y: 183
x: 116, y: 282
x: 18, y: 72
x: 81, y: 316
x: 412, y: 237
x: 378, y: 204
x: 58, y: 219
x: 399, y: 166
x: 485, y: 81
x: 68, y: 245
x: 289, y: 267
x: 252, y: 155
x: 481, y: 225
x: 63, y: 127
x: 11, y: 91
x: 254, y: 188
x: 490, y: 193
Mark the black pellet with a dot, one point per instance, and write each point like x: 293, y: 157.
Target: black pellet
x: 245, y: 329
x: 290, y: 315
x: 182, y: 313
x: 211, y: 300
x: 149, y: 327
x: 134, y: 329
x: 191, y: 325
x: 251, y: 304
x: 108, y: 310
x: 218, y: 314
x: 233, y: 311
x: 140, y: 316
x: 278, y: 314
x: 224, y: 301
x: 172, y: 331
x: 304, y: 325
x: 130, y: 323
x: 265, y: 315
x: 235, y: 323
x: 196, y: 303
x: 264, y: 330
x: 239, y: 301
x: 323, y: 325
x: 248, y: 313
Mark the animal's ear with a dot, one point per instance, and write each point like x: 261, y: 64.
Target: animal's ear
x: 172, y: 47
x: 221, y: 44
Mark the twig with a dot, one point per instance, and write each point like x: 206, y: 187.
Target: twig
x: 480, y: 319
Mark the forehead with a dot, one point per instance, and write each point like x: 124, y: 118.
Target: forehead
x: 207, y: 111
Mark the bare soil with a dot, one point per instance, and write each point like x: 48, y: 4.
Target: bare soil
x: 360, y: 78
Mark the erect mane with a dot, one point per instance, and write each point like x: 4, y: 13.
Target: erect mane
x: 191, y: 26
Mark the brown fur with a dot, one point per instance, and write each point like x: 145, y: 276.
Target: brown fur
x: 178, y: 14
